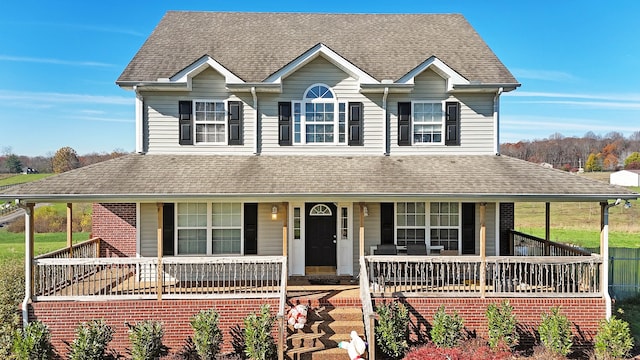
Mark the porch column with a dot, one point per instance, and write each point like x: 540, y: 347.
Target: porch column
x: 604, y: 253
x: 483, y: 249
x: 361, y: 233
x: 28, y: 261
x: 159, y: 275
x: 547, y: 227
x: 285, y: 224
x: 70, y: 229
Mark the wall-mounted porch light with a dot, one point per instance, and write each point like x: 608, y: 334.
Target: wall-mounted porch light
x: 365, y: 210
x: 274, y: 212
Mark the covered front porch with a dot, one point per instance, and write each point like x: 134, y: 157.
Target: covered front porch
x: 536, y: 269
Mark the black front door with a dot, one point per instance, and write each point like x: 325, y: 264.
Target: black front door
x: 320, y: 234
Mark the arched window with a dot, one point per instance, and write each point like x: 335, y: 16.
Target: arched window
x: 320, y: 210
x: 319, y: 118
x: 319, y: 91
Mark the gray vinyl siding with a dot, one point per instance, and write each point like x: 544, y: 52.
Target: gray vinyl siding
x: 161, y: 117
x: 371, y: 232
x: 148, y: 230
x: 476, y: 118
x: 490, y: 224
x: 269, y: 232
x: 346, y: 89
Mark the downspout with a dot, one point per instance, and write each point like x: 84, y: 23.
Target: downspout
x: 28, y: 262
x: 257, y: 128
x: 386, y: 140
x: 139, y: 116
x: 496, y: 120
x: 604, y: 252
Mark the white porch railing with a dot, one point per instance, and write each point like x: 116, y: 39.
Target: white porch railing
x: 573, y: 276
x: 136, y: 278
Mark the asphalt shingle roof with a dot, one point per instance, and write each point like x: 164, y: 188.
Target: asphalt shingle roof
x: 255, y: 45
x: 138, y: 176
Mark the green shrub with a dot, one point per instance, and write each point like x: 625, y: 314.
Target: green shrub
x: 555, y: 332
x: 446, y: 331
x: 91, y: 341
x: 259, y: 344
x: 392, y: 329
x: 33, y: 343
x: 146, y: 340
x: 11, y: 295
x: 613, y: 340
x: 207, y: 336
x: 502, y: 325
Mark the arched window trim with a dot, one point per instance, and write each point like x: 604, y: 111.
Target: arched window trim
x: 312, y: 98
x: 320, y: 210
x: 301, y: 124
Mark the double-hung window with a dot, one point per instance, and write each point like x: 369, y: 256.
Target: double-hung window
x: 440, y: 220
x: 209, y: 228
x: 411, y: 225
x: 428, y: 122
x: 445, y: 224
x: 210, y: 121
x: 319, y: 118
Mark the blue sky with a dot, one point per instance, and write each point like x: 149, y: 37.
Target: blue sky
x: 578, y: 62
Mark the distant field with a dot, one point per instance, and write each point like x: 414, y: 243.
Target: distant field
x: 579, y: 223
x: 21, y: 178
x: 12, y: 244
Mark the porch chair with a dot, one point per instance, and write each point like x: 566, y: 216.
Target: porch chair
x: 417, y: 249
x: 386, y: 249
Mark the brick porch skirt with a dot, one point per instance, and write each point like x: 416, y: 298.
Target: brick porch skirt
x: 62, y: 317
x: 583, y: 313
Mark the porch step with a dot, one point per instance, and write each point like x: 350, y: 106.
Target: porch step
x: 326, y: 326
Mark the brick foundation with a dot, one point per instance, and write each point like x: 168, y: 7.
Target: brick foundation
x: 115, y: 224
x: 62, y: 317
x: 583, y: 313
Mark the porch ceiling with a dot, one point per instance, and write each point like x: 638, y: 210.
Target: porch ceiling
x: 163, y: 177
x: 138, y: 177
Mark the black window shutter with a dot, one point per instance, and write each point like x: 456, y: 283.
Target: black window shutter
x: 468, y: 228
x: 185, y: 122
x: 386, y: 223
x: 284, y: 123
x: 452, y: 123
x: 250, y: 229
x: 235, y: 122
x: 404, y: 123
x: 355, y: 124
x: 168, y: 229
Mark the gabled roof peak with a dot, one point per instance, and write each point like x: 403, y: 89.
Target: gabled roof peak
x: 255, y: 46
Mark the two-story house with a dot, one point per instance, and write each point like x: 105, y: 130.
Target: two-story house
x: 278, y: 145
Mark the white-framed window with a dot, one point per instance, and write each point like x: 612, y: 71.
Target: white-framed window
x: 319, y: 118
x: 436, y: 222
x: 226, y: 228
x: 320, y: 210
x: 410, y: 223
x: 210, y: 118
x: 191, y: 228
x: 445, y: 224
x: 428, y: 122
x: 344, y: 223
x: 209, y: 228
x: 297, y: 224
